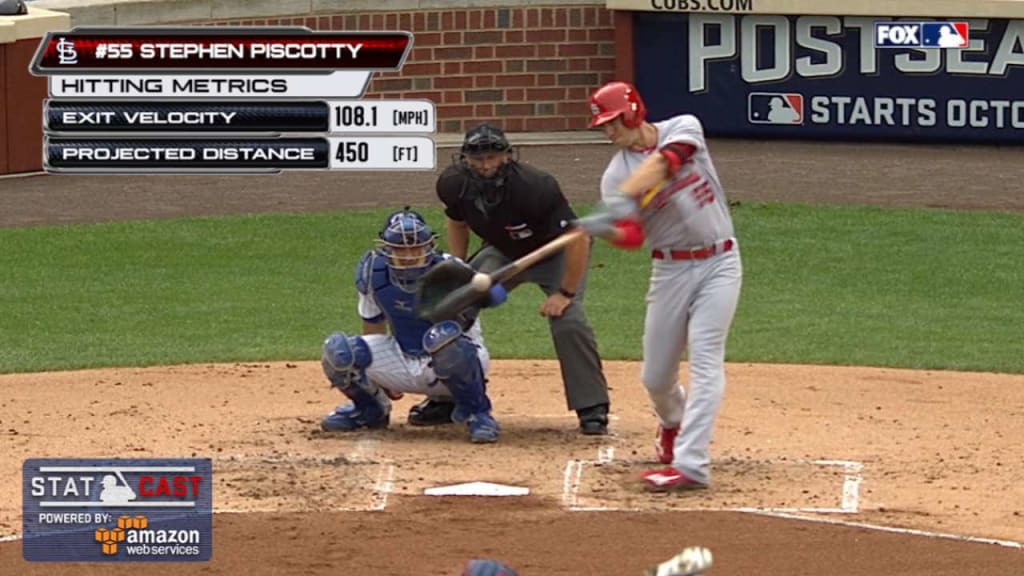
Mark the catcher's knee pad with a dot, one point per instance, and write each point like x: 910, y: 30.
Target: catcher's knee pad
x: 452, y: 354
x: 440, y: 335
x: 345, y: 359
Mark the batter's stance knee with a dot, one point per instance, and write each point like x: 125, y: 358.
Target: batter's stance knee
x: 345, y: 359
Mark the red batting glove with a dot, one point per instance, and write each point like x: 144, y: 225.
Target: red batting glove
x: 629, y: 235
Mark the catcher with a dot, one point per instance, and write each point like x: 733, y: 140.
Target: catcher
x: 400, y: 353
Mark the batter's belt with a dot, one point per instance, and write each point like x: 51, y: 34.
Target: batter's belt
x: 702, y: 253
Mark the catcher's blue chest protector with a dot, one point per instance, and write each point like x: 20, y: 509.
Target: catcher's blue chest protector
x: 373, y: 280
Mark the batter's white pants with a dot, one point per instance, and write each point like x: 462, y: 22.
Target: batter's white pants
x: 690, y: 304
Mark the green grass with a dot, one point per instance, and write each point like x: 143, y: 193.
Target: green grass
x: 827, y: 285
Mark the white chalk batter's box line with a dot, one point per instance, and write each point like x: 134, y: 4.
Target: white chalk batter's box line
x: 364, y: 451
x: 849, y: 503
x: 849, y: 500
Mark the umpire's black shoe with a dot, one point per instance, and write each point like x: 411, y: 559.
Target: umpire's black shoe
x: 432, y: 412
x: 594, y: 420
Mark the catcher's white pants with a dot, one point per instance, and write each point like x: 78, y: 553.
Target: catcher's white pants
x: 690, y: 304
x: 396, y: 371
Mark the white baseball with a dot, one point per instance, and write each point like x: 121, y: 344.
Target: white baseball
x: 480, y: 282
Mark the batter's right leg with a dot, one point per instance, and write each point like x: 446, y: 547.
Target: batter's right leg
x: 664, y: 342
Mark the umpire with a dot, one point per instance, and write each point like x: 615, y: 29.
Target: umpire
x: 515, y: 209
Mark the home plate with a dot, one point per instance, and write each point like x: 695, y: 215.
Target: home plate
x: 477, y: 489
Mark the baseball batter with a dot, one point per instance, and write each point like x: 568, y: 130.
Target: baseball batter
x: 661, y: 188
x: 399, y: 353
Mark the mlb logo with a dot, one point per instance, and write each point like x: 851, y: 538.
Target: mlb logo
x: 945, y: 34
x: 781, y: 108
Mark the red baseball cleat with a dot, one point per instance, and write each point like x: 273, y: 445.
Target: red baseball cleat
x: 665, y: 443
x: 669, y: 479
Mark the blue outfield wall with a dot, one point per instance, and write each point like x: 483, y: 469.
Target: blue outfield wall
x: 821, y: 77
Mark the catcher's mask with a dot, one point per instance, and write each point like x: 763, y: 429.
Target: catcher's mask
x: 409, y: 245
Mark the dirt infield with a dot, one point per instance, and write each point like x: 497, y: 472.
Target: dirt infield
x: 817, y: 469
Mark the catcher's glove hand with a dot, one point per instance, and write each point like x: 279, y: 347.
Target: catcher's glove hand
x: 444, y: 292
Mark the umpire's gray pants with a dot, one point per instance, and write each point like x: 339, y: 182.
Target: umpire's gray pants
x: 584, y: 381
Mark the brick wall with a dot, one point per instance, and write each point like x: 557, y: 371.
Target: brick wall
x: 525, y: 68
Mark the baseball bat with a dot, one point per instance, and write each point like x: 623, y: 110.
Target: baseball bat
x: 508, y: 271
x: 465, y: 296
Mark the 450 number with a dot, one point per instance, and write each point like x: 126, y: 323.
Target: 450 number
x: 353, y: 152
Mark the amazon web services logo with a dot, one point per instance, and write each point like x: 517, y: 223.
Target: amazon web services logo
x: 133, y: 537
x: 149, y: 510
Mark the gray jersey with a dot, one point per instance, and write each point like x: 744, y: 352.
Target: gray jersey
x: 688, y: 210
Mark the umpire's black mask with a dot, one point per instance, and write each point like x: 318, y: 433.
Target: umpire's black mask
x: 485, y: 157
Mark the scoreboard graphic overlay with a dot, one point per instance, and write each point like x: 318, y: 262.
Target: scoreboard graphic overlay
x: 237, y: 100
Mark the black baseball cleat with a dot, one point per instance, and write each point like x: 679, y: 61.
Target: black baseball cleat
x: 432, y: 412
x: 594, y: 420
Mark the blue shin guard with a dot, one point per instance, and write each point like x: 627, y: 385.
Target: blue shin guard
x: 344, y: 360
x: 457, y: 366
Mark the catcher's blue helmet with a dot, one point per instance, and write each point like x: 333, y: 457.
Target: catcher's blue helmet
x: 409, y: 246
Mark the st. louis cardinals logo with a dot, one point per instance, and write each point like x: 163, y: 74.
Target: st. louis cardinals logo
x: 659, y: 195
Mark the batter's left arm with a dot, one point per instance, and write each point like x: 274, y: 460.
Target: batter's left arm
x: 653, y: 172
x: 616, y: 221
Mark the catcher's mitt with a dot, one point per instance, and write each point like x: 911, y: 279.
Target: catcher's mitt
x: 445, y: 291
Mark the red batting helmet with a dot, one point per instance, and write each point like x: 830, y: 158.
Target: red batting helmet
x: 615, y: 99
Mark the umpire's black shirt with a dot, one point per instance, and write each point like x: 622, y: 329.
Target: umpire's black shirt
x: 530, y: 212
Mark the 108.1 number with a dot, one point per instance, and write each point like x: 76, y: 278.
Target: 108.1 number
x: 355, y: 115
x: 352, y: 152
